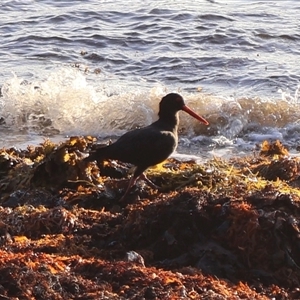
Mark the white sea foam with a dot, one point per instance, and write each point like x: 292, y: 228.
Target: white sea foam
x: 67, y: 102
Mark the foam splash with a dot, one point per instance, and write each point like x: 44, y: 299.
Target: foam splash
x: 67, y: 103
x: 291, y: 98
x: 46, y: 106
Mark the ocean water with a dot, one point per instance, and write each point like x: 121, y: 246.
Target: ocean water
x: 101, y: 67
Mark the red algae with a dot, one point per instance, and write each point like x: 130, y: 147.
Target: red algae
x: 221, y: 230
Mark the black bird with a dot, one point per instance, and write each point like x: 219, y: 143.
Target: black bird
x: 150, y: 145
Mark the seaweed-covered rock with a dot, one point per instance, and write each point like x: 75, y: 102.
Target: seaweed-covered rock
x: 219, y: 230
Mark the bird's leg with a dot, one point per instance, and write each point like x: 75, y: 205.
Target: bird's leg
x: 134, y: 179
x: 150, y: 183
x: 138, y: 172
x: 132, y: 182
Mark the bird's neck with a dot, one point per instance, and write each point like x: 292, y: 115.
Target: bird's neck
x: 169, y: 122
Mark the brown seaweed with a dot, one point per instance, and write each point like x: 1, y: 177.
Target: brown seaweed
x: 218, y: 230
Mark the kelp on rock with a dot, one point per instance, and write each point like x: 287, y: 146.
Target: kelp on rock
x: 218, y: 230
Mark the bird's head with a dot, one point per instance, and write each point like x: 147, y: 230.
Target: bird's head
x: 172, y: 103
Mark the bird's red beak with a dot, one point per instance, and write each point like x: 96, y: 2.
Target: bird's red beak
x: 193, y: 114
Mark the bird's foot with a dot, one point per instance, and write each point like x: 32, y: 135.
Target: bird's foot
x: 149, y: 182
x: 133, y: 181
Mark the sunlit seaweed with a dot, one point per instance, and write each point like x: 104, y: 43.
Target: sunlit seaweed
x: 222, y: 229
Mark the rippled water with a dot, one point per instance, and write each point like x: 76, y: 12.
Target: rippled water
x: 100, y: 67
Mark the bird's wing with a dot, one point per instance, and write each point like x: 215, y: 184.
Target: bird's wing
x: 144, y: 146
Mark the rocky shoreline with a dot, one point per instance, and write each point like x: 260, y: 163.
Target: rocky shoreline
x: 219, y: 230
